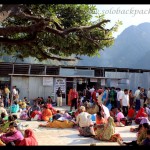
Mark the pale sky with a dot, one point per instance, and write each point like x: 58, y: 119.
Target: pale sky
x: 128, y: 14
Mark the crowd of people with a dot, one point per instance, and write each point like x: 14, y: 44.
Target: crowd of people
x: 96, y: 113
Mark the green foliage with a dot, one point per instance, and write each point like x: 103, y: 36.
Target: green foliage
x: 81, y: 42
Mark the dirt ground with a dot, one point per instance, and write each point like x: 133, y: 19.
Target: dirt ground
x: 53, y: 136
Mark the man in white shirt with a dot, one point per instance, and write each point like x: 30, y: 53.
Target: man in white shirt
x: 85, y: 123
x: 125, y: 102
x: 137, y: 99
x: 120, y: 94
x: 83, y: 119
x: 14, y: 93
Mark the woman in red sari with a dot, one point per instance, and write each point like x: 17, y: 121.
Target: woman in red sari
x: 29, y: 139
x: 141, y: 113
x: 46, y: 113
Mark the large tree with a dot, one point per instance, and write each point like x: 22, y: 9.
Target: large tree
x: 48, y: 31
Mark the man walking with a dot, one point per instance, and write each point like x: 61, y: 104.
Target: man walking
x: 59, y: 97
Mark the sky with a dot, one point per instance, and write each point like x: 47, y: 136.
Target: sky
x: 128, y: 14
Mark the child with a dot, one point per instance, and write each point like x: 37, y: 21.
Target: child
x: 147, y: 140
x: 119, y: 115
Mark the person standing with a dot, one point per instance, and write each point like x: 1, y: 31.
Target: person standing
x: 119, y: 97
x: 105, y: 96
x: 6, y: 95
x: 59, y: 97
x: 113, y: 97
x: 125, y: 102
x: 74, y: 98
x: 148, y: 96
x: 142, y: 96
x: 131, y: 98
x: 14, y: 93
x: 18, y: 92
x: 137, y: 99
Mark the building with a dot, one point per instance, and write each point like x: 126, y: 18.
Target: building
x: 39, y: 80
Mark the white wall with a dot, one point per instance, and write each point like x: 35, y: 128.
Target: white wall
x: 32, y: 87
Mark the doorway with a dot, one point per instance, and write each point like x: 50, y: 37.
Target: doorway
x: 69, y: 85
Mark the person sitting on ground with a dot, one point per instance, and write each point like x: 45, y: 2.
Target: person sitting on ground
x: 119, y: 116
x: 14, y: 108
x: 131, y: 113
x: 3, y: 118
x: 113, y: 113
x: 66, y: 115
x: 133, y: 143
x: 22, y: 104
x: 146, y: 142
x: 57, y: 115
x: 144, y: 120
x: 26, y: 100
x: 107, y: 132
x: 24, y: 113
x: 49, y: 100
x: 34, y: 110
x: 2, y: 109
x: 29, y: 139
x: 46, y: 113
x: 147, y: 110
x: 42, y: 101
x: 53, y: 110
x: 58, y: 121
x: 13, y: 137
x: 84, y: 122
x: 143, y: 134
x: 141, y: 113
x: 4, y: 127
x: 100, y: 119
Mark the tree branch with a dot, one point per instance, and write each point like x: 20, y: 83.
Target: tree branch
x: 98, y: 25
x: 55, y: 31
x: 21, y: 29
x: 28, y: 39
x: 62, y: 33
x: 47, y: 56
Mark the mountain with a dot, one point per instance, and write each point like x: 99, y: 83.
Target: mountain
x: 131, y: 49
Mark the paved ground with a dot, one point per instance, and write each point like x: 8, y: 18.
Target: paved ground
x: 52, y: 136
